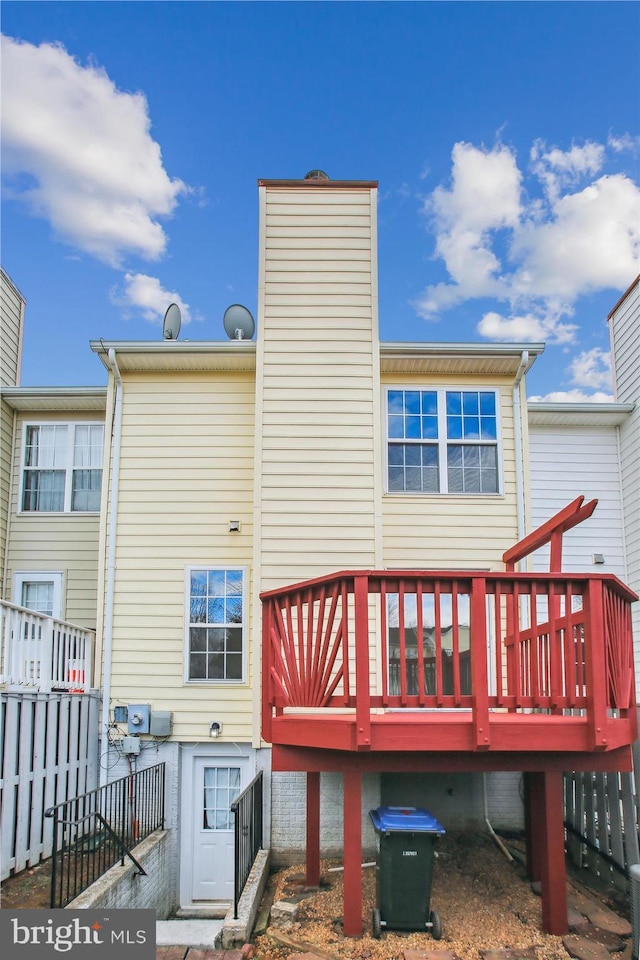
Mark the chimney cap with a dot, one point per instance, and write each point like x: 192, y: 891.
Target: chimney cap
x: 317, y: 175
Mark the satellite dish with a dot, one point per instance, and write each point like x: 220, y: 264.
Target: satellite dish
x: 171, y: 322
x: 238, y: 322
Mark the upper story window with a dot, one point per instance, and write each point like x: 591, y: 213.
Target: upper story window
x: 62, y: 467
x: 216, y: 624
x: 443, y: 441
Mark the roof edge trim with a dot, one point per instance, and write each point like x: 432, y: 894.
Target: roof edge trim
x: 624, y: 296
x: 321, y: 184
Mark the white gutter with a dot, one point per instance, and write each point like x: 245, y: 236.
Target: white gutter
x: 111, y: 556
x: 517, y: 429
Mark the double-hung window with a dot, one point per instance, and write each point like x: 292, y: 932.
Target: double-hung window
x: 62, y: 467
x: 443, y: 441
x: 216, y: 624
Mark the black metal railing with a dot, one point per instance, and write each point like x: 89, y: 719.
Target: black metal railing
x: 247, y: 809
x: 93, y: 831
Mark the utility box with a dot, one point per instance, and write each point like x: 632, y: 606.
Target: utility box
x: 138, y: 718
x: 131, y: 746
x: 161, y: 723
x: 404, y: 870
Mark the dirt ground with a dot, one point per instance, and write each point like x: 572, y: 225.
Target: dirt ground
x: 29, y: 889
x: 484, y: 902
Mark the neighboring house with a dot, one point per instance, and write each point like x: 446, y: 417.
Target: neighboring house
x: 235, y: 468
x: 594, y: 448
x: 624, y: 326
x: 12, y: 317
x: 568, y: 440
x: 55, y: 493
x: 51, y: 445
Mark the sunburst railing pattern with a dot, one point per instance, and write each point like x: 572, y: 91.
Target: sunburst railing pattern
x: 517, y: 643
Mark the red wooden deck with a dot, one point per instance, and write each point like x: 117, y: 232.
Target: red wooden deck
x: 508, y: 662
x: 367, y: 670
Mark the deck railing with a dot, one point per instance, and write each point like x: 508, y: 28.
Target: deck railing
x: 365, y: 641
x: 43, y: 654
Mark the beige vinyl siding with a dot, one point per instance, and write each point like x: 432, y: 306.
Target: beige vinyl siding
x: 11, y: 329
x: 425, y: 531
x: 318, y: 344
x: 186, y: 470
x: 625, y: 341
x: 6, y: 440
x: 11, y: 326
x: 65, y: 543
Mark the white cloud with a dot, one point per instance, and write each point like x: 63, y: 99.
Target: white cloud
x: 572, y: 396
x: 591, y: 368
x: 525, y: 327
x: 501, y: 237
x: 147, y: 295
x: 624, y: 143
x: 588, y: 370
x: 560, y: 168
x: 590, y: 242
x: 82, y: 153
x: 484, y: 197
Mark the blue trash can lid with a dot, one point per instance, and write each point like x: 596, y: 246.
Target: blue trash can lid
x: 405, y: 820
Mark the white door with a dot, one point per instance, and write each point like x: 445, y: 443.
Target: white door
x: 217, y: 781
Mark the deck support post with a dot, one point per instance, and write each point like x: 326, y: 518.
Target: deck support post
x: 548, y: 839
x: 352, y: 898
x: 532, y: 825
x: 312, y: 877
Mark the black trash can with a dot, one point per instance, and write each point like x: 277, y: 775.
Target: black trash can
x: 404, y: 870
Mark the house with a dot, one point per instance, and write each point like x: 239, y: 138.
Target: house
x: 624, y: 323
x: 12, y: 312
x: 299, y: 552
x: 51, y: 454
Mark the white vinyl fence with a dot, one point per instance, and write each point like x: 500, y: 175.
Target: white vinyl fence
x: 603, y: 809
x: 49, y: 754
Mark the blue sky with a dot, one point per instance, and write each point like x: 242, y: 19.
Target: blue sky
x: 504, y: 136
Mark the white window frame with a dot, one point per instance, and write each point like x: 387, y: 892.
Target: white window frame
x: 244, y: 570
x: 40, y: 576
x: 68, y: 467
x: 443, y: 442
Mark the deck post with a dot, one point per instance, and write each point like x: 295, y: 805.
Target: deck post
x: 312, y: 878
x: 267, y: 709
x: 363, y: 706
x: 596, y: 666
x: 533, y: 826
x: 550, y: 842
x: 479, y: 679
x: 352, y: 897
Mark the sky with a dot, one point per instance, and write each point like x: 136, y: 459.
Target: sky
x: 505, y: 138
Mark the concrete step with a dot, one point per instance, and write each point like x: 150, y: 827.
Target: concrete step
x: 187, y: 933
